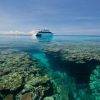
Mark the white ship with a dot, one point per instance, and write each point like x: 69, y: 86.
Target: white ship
x: 44, y: 33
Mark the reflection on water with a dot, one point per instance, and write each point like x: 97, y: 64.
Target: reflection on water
x: 44, y: 38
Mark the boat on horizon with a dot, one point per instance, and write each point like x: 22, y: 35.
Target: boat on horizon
x: 44, y: 33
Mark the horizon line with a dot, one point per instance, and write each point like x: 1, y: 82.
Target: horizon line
x: 54, y: 34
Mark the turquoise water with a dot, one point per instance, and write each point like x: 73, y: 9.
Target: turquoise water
x: 77, y: 38
x: 35, y: 46
x: 29, y: 41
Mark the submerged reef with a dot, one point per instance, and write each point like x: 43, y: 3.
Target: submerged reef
x: 73, y: 74
x: 76, y: 60
x: 95, y: 82
x: 79, y: 62
x: 23, y: 78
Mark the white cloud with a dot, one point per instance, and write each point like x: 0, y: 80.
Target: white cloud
x: 11, y: 32
x: 34, y: 31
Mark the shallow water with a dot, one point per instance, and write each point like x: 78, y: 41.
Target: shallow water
x: 33, y: 45
x: 36, y: 48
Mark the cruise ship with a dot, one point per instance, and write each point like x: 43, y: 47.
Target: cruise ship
x: 44, y: 33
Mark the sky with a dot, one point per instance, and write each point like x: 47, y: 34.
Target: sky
x: 70, y: 17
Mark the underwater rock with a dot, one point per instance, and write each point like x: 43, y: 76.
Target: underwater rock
x: 95, y: 82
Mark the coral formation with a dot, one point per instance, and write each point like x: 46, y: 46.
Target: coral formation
x: 22, y: 78
x: 11, y: 81
x: 78, y: 62
x: 95, y: 82
x: 75, y: 53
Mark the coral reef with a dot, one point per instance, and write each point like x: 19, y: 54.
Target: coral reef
x: 78, y: 62
x: 95, y: 82
x: 11, y: 81
x: 73, y: 74
x: 22, y: 78
x: 75, y: 53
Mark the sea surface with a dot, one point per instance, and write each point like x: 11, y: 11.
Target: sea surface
x: 30, y: 41
x: 35, y: 46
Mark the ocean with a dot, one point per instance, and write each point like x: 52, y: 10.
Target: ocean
x: 26, y: 41
x: 48, y: 52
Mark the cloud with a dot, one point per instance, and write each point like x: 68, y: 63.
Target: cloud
x: 32, y: 32
x: 11, y: 32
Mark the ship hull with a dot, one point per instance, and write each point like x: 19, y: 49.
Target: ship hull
x: 44, y: 34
